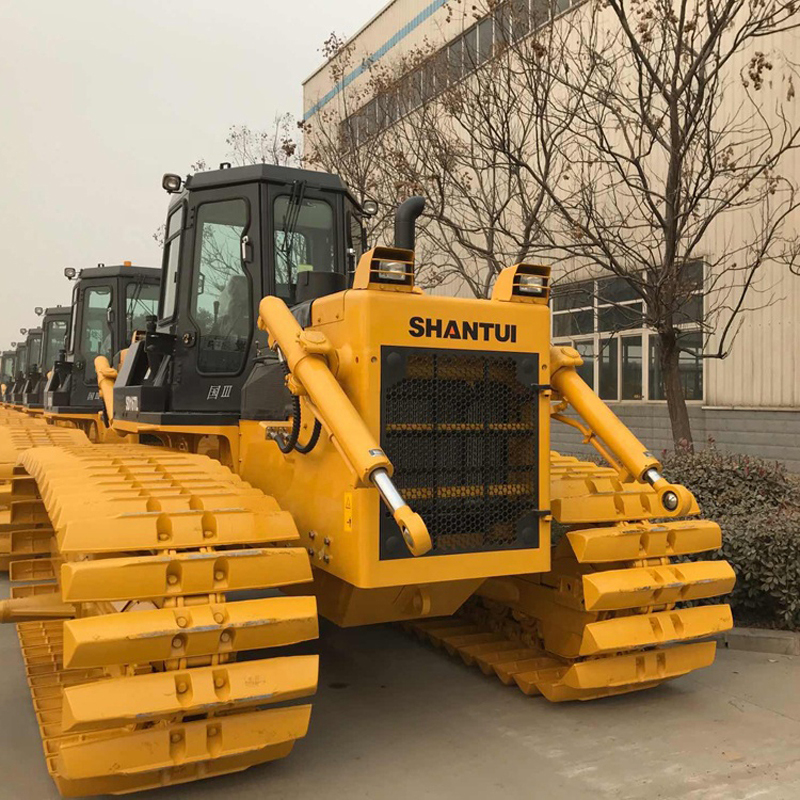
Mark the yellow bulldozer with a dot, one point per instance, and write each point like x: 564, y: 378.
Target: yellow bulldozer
x: 325, y: 438
x: 56, y: 382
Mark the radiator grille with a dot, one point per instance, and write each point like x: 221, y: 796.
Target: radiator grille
x: 461, y: 429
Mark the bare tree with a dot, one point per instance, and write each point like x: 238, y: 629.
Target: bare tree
x: 277, y: 144
x: 476, y: 113
x: 681, y: 143
x: 334, y: 137
x: 453, y: 124
x: 631, y: 141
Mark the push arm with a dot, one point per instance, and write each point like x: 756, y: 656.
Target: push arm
x: 628, y: 451
x: 308, y: 354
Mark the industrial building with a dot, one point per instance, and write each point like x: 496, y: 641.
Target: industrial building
x: 748, y: 402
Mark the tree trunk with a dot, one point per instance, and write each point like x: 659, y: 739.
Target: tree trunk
x: 676, y: 402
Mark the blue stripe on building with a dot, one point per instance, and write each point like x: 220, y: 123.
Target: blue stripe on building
x: 377, y: 55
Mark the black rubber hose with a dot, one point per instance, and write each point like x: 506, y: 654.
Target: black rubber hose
x: 287, y: 445
x: 312, y: 442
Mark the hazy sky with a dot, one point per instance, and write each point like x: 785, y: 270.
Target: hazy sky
x: 98, y: 98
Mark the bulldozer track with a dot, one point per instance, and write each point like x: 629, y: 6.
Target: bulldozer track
x: 605, y: 619
x: 20, y: 432
x: 137, y: 684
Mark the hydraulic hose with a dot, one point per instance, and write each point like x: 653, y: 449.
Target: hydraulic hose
x: 287, y: 445
x: 312, y: 442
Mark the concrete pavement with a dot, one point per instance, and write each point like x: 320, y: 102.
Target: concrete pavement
x: 398, y: 719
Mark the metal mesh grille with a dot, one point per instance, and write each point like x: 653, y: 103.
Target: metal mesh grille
x: 461, y: 430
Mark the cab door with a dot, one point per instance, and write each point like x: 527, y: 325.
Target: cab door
x: 93, y: 335
x: 218, y: 288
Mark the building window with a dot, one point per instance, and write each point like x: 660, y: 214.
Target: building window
x: 455, y: 54
x: 441, y: 69
x: 520, y: 19
x: 485, y: 39
x: 509, y: 22
x: 609, y: 368
x: 370, y: 118
x: 631, y: 347
x: 428, y: 77
x: 540, y: 12
x: 586, y: 370
x: 690, y: 365
x: 604, y: 320
x: 471, y: 48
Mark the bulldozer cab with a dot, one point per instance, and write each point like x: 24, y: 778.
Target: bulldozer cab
x: 21, y: 370
x: 54, y: 335
x: 6, y: 372
x: 109, y: 303
x: 51, y: 341
x: 233, y: 236
x: 34, y: 372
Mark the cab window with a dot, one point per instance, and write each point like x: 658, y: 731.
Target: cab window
x: 355, y: 239
x: 222, y: 306
x: 8, y: 365
x: 73, y: 321
x: 303, y: 241
x: 172, y: 247
x: 35, y: 348
x: 141, y: 301
x: 95, y: 336
x: 22, y: 361
x: 54, y: 333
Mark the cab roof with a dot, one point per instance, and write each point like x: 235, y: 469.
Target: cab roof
x: 269, y: 173
x: 119, y: 271
x: 57, y: 311
x: 264, y: 172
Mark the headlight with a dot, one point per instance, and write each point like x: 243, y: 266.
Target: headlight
x: 532, y: 284
x: 392, y: 270
x: 171, y: 183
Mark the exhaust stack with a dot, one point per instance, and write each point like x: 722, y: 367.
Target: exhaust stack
x: 405, y: 219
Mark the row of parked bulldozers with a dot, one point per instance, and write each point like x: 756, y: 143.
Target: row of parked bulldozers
x: 280, y: 424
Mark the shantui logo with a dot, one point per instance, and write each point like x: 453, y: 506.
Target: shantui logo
x: 455, y: 329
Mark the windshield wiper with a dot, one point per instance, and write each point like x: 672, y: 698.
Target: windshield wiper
x: 289, y: 224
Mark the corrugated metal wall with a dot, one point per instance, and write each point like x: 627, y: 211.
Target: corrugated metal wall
x: 762, y: 369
